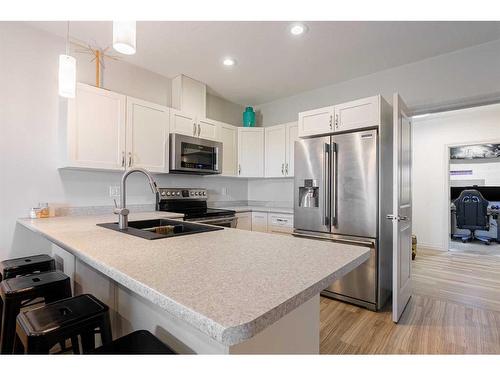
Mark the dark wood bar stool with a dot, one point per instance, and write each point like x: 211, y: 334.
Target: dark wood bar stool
x: 137, y: 342
x: 39, y: 329
x: 22, y: 266
x: 20, y: 291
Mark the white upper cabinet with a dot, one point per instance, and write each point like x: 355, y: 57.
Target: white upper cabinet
x: 275, y: 151
x: 147, y: 135
x: 357, y: 114
x: 189, y: 95
x: 316, y: 121
x: 251, y: 152
x: 228, y: 135
x: 279, y: 149
x: 96, y: 129
x: 292, y: 135
x: 183, y: 123
x: 207, y: 128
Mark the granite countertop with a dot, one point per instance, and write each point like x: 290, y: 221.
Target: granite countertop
x: 230, y: 284
x: 279, y: 210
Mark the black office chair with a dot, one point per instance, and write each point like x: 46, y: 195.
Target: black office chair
x: 472, y: 214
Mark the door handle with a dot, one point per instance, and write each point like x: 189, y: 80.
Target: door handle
x: 331, y: 119
x: 129, y: 159
x: 283, y: 169
x: 334, y: 184
x: 123, y: 158
x: 239, y: 169
x: 326, y: 177
x: 336, y: 120
x: 194, y: 129
x: 199, y: 130
x: 286, y: 169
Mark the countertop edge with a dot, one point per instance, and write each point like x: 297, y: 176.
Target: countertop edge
x: 226, y: 336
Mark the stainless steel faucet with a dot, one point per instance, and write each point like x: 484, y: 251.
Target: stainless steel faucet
x: 123, y: 211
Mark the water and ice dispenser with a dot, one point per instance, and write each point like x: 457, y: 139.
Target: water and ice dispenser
x: 309, y: 194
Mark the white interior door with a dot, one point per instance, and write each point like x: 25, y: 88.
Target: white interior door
x: 402, y: 209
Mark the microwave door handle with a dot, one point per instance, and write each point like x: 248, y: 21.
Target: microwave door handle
x: 334, y: 184
x: 326, y: 203
x: 216, y: 157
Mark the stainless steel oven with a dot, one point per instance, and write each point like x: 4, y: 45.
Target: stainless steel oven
x: 227, y: 222
x: 194, y: 155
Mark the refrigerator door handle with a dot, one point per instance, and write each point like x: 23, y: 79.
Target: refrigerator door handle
x: 334, y: 184
x: 326, y: 203
x: 370, y: 244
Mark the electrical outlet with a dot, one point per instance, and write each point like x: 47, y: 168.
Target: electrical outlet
x: 114, y: 191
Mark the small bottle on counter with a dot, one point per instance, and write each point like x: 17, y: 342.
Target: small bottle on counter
x: 44, y: 210
x: 35, y: 213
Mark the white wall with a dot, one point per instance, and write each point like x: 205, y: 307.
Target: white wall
x: 489, y: 171
x: 431, y: 136
x: 463, y: 77
x: 31, y: 114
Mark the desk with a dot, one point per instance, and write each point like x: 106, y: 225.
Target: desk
x: 493, y: 212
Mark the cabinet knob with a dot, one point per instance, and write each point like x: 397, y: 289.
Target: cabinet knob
x: 194, y: 128
x: 336, y: 120
x: 123, y: 158
x: 283, y: 168
x: 239, y: 169
x: 331, y: 121
x: 129, y: 159
x: 199, y: 130
x: 286, y: 169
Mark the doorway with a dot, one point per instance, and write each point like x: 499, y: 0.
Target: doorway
x: 474, y: 184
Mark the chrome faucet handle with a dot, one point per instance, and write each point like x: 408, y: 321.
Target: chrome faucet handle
x: 121, y: 211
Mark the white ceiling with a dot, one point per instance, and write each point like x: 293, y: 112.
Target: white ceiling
x: 272, y: 64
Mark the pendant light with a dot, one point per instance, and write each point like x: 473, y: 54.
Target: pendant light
x: 67, y: 72
x: 124, y: 36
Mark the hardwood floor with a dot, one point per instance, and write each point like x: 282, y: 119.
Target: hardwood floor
x: 455, y: 309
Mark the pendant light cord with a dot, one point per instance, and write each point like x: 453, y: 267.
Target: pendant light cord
x: 67, y: 38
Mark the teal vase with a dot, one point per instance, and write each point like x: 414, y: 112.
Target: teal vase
x: 249, y: 117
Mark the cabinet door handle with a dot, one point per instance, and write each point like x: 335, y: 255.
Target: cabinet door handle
x: 194, y: 129
x: 282, y: 168
x: 123, y: 158
x: 129, y: 159
x: 286, y: 169
x: 337, y: 120
x: 239, y: 169
x: 331, y: 121
x: 199, y: 130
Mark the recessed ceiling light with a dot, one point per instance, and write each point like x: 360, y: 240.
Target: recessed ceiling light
x: 228, y: 61
x: 298, y: 29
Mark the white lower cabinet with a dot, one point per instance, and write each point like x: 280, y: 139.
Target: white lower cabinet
x: 280, y: 223
x: 244, y: 220
x: 259, y: 221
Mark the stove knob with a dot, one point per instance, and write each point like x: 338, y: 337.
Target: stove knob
x: 168, y: 193
x: 178, y: 193
x: 192, y: 193
x: 195, y: 193
x: 204, y: 193
x: 162, y: 193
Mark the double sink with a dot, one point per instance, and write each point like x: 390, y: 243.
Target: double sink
x: 155, y: 229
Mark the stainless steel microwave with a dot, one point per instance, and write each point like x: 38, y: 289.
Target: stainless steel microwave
x: 194, y: 155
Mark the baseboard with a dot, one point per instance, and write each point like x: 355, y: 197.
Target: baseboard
x: 423, y: 246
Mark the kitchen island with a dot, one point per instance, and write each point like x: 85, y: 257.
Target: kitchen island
x: 226, y: 291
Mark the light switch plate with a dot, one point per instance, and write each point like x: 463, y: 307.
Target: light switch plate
x: 114, y: 191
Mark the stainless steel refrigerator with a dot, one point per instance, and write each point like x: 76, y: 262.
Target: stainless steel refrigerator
x: 337, y: 197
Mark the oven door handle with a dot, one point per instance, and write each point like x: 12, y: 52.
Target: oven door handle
x: 228, y: 220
